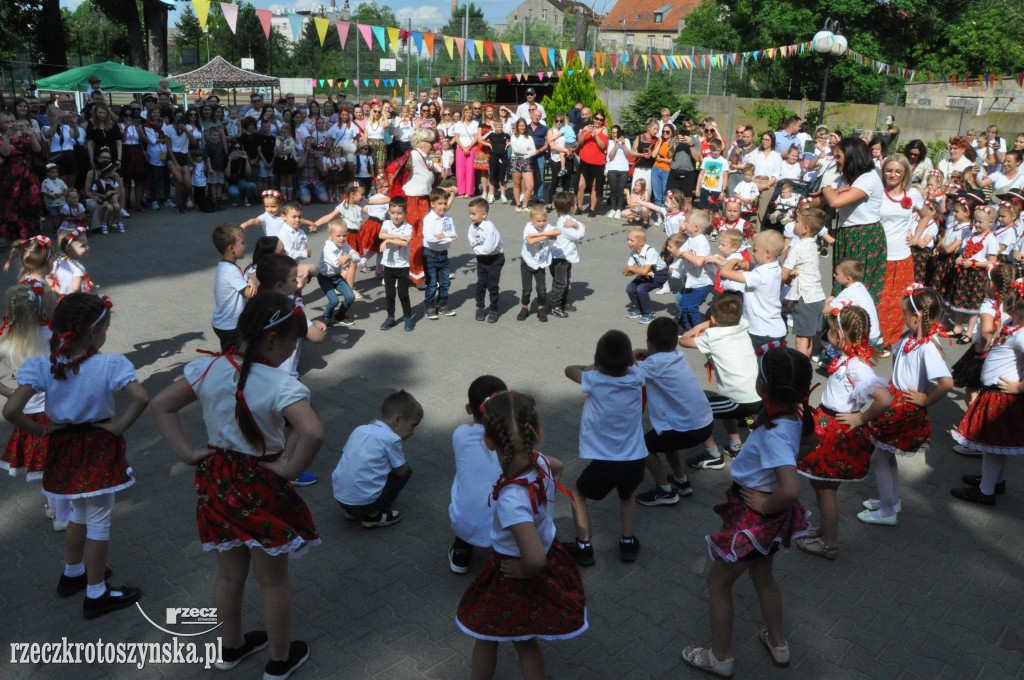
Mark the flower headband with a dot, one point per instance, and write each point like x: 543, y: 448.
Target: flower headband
x: 805, y: 201
x: 763, y: 349
x: 272, y: 193
x: 44, y: 240
x: 107, y: 304
x: 985, y: 209
x: 76, y: 232
x: 732, y: 199
x: 909, y: 293
x: 936, y: 173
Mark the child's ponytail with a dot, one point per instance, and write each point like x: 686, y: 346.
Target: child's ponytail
x: 34, y: 254
x: 512, y: 423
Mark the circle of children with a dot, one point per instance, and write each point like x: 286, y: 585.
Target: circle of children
x: 905, y: 261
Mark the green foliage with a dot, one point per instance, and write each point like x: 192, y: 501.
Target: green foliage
x: 477, y: 25
x: 375, y: 14
x: 648, y: 103
x: 573, y: 87
x: 20, y: 20
x: 93, y: 35
x: 770, y: 112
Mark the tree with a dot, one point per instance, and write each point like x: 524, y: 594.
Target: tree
x: 573, y: 87
x: 478, y: 27
x: 92, y: 33
x: 648, y: 103
x: 189, y: 32
x: 374, y: 14
x: 128, y: 12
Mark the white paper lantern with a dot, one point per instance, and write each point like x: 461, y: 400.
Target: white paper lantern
x: 839, y: 48
x: 824, y: 41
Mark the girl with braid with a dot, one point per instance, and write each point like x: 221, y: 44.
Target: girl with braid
x: 920, y: 378
x: 761, y: 513
x: 844, y: 448
x: 85, y: 450
x: 248, y: 510
x: 530, y: 589
x: 967, y: 369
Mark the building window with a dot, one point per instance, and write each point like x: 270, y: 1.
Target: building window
x: 659, y: 14
x: 544, y: 15
x: 515, y: 17
x: 667, y: 42
x: 629, y: 40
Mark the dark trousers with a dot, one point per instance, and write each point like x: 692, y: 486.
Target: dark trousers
x: 436, y: 268
x: 488, y: 276
x: 563, y: 183
x: 531, y: 278
x: 228, y: 339
x: 397, y: 276
x: 639, y: 289
x: 617, y: 182
x: 561, y: 272
x: 387, y: 496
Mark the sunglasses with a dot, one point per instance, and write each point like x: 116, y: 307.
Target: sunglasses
x: 476, y: 108
x: 599, y: 120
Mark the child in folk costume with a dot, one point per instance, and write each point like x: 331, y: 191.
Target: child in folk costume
x: 1005, y: 229
x: 733, y: 215
x: 958, y: 227
x: 967, y: 369
x: 85, y: 452
x: 35, y: 260
x: 992, y: 422
x: 530, y: 589
x: 68, y: 270
x: 922, y: 243
x: 980, y: 249
x: 920, y: 378
x: 844, y: 447
x: 261, y: 433
x: 761, y: 514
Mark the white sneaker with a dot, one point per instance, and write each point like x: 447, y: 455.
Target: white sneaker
x: 190, y: 204
x: 169, y: 203
x: 504, y: 198
x: 357, y: 295
x: 875, y: 504
x: 490, y: 198
x: 521, y: 197
x: 610, y: 214
x: 125, y: 213
x: 618, y: 214
x: 664, y: 290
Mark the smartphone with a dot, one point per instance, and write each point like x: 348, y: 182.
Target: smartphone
x: 809, y: 146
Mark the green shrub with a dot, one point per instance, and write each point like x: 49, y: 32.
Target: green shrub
x: 648, y: 103
x: 571, y: 88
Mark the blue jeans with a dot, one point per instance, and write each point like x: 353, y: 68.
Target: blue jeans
x: 243, y: 188
x: 332, y: 286
x: 659, y: 181
x: 538, y: 178
x: 688, y: 302
x: 435, y: 268
x: 639, y: 289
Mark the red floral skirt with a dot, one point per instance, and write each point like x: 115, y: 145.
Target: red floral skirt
x: 369, y: 236
x: 84, y: 460
x: 898, y: 275
x: 841, y: 455
x: 993, y: 423
x: 967, y: 369
x: 745, y: 532
x: 549, y: 606
x: 904, y: 428
x: 25, y: 453
x: 968, y: 290
x: 417, y: 209
x: 243, y: 503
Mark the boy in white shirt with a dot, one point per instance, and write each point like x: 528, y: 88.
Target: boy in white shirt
x: 336, y: 258
x: 396, y: 235
x: 649, y: 272
x: 848, y: 273
x: 538, y: 239
x: 725, y: 342
x: 565, y: 252
x: 747, y: 191
x: 230, y: 289
x: 476, y: 470
x: 438, y: 234
x: 700, y: 278
x: 612, y: 437
x: 490, y: 258
x: 762, y: 307
x: 372, y: 470
x: 801, y: 272
x: 53, y: 190
x: 294, y: 241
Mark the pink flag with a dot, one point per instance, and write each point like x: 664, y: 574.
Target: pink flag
x: 264, y: 16
x: 365, y: 31
x: 230, y: 14
x: 342, y: 32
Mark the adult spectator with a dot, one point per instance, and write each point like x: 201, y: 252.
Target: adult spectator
x: 1010, y: 177
x: 561, y: 180
x: 20, y: 200
x: 709, y: 131
x: 424, y: 99
x: 1018, y: 142
x: 643, y: 151
x: 102, y: 131
x: 539, y: 132
x: 892, y: 130
x: 478, y: 112
x: 813, y: 160
x: 465, y: 153
x: 682, y: 173
x: 663, y: 120
x: 878, y: 149
x: 857, y: 195
x: 767, y: 166
x: 422, y: 176
x: 345, y: 134
x: 957, y: 161
x: 523, y: 151
x: 593, y: 144
x: 62, y: 136
x: 133, y: 156
x: 920, y: 165
x: 741, y: 148
x: 404, y: 125
x: 787, y: 136
x: 618, y: 171
x: 309, y: 182
x: 253, y: 108
x: 663, y: 153
x: 523, y: 110
x: 898, y: 217
x: 999, y: 142
x: 23, y: 114
x: 377, y: 127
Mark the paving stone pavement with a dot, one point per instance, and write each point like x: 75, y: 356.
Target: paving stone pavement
x: 938, y: 597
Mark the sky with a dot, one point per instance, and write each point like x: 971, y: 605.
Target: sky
x: 433, y: 15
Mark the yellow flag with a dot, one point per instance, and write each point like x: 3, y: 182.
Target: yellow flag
x: 393, y: 35
x: 479, y: 48
x: 505, y: 49
x: 448, y: 43
x: 202, y: 8
x: 644, y: 57
x: 322, y: 25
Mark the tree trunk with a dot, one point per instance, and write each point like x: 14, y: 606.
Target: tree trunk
x: 136, y: 46
x: 156, y: 34
x: 51, y: 39
x: 584, y: 17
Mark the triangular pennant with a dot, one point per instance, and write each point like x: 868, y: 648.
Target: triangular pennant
x: 551, y: 57
x: 342, y: 32
x: 296, y: 23
x: 230, y: 13
x: 489, y: 47
x: 394, y: 35
x: 615, y: 58
x: 380, y: 34
x: 265, y: 15
x: 321, y: 82
x: 526, y: 52
x: 461, y: 44
x: 448, y: 42
x: 417, y: 38
x: 478, y: 45
x: 1020, y: 80
x: 519, y: 76
x: 471, y: 48
x: 646, y: 64
x: 540, y: 75
x: 364, y: 30
x: 401, y: 82
x: 366, y: 83
x: 508, y: 77
x: 559, y: 73
x: 428, y: 38
x: 322, y: 25
x: 202, y: 8
x: 592, y: 72
x: 522, y: 55
x: 505, y: 51
x: 446, y: 80
x: 564, y: 54
x: 376, y: 82
x: 582, y: 54
x: 635, y: 58
x: 544, y: 55
x: 437, y: 81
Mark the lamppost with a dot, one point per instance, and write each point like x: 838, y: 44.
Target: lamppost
x: 828, y: 42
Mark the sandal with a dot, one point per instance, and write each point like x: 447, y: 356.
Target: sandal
x: 720, y: 669
x: 817, y: 546
x: 963, y: 339
x: 780, y: 655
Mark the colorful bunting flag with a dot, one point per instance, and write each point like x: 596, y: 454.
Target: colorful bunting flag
x: 230, y: 13
x: 394, y: 35
x: 378, y: 33
x: 367, y: 34
x: 264, y: 16
x: 322, y: 25
x: 296, y: 23
x: 342, y: 33
x: 202, y: 8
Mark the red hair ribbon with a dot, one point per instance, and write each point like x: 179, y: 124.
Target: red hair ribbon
x: 1018, y: 285
x: 732, y: 199
x: 535, y: 488
x: 4, y: 324
x: 838, y: 305
x: 1012, y: 204
x: 107, y: 302
x: 937, y: 173
x: 912, y: 288
x: 804, y: 201
x: 279, y: 318
x: 964, y: 202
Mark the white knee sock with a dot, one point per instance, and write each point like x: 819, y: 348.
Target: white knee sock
x: 884, y: 465
x: 992, y: 465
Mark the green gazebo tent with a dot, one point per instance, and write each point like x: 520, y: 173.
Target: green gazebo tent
x: 113, y: 77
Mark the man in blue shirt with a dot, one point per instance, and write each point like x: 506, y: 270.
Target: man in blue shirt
x: 787, y: 137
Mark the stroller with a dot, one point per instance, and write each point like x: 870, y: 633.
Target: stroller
x: 778, y: 215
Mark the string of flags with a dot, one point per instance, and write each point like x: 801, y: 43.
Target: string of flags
x: 392, y: 39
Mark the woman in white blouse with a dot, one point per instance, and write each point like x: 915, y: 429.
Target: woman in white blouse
x: 465, y: 152
x: 767, y: 167
x: 423, y: 172
x: 523, y: 149
x: 899, y: 219
x: 618, y: 171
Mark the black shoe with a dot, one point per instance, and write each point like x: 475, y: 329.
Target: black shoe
x: 584, y: 556
x: 557, y: 311
x: 705, y: 461
x: 232, y: 656
x: 458, y: 559
x: 975, y: 480
x: 568, y: 308
x: 591, y: 213
x: 542, y: 315
x: 328, y: 321
x: 657, y: 497
x: 382, y: 519
x: 106, y: 603
x: 69, y: 585
x: 492, y: 316
x: 298, y: 653
x: 481, y: 314
x: 629, y: 551
x: 974, y: 495
x: 523, y: 313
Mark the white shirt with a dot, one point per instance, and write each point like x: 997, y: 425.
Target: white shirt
x: 370, y: 454
x: 378, y: 210
x: 536, y: 255
x: 1006, y: 236
x: 352, y: 214
x: 228, y: 295
x: 375, y: 130
x: 295, y: 242
x: 733, y: 360
x: 765, y: 450
x: 927, y: 238
x: 329, y: 255
x: 673, y: 222
x: 858, y: 294
x: 947, y: 167
x: 735, y: 286
x: 343, y: 134
x: 803, y: 257
x: 761, y: 305
x: 989, y: 247
x: 747, y: 191
x: 466, y: 132
x: 790, y: 171
x: 523, y: 111
x: 612, y: 423
x: 675, y: 400
x: 179, y: 142
x: 765, y: 164
x: 268, y: 392
x: 54, y: 186
x: 155, y: 148
x: 199, y: 175
x: 697, y: 277
x: 514, y: 507
x: 83, y: 397
x: 484, y: 238
x: 66, y: 270
x: 566, y: 246
x: 617, y: 160
x: 1001, y: 185
x: 421, y: 177
x: 522, y: 146
x: 851, y: 386
x: 1004, y: 360
x: 918, y: 369
x: 867, y: 210
x: 476, y: 471
x: 434, y: 224
x: 271, y: 224
x: 395, y: 255
x: 646, y: 256
x: 898, y: 223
